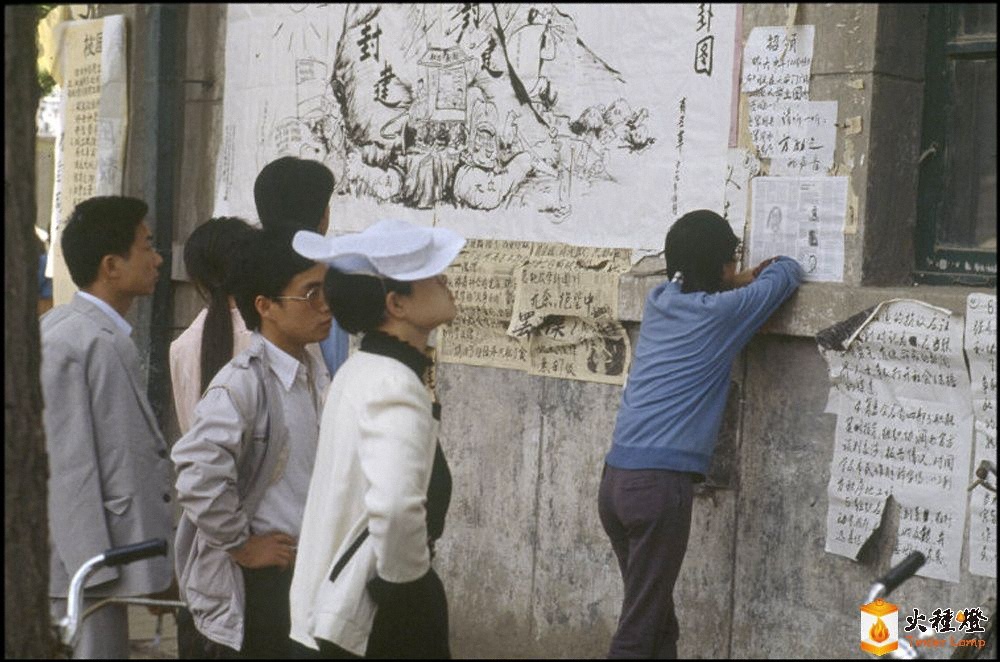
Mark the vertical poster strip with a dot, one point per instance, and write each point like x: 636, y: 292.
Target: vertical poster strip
x: 90, y: 71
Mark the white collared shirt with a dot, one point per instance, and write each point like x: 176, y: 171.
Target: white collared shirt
x: 302, y: 386
x: 109, y: 311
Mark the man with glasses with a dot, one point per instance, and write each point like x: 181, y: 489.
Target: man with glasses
x: 243, y: 469
x: 294, y: 194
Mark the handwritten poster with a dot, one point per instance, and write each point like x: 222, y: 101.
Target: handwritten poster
x: 481, y: 278
x: 566, y: 303
x: 981, y: 352
x: 542, y: 122
x: 560, y: 287
x: 777, y: 62
x: 802, y: 137
x: 90, y: 147
x: 802, y: 218
x: 904, y: 428
x: 581, y: 348
x: 741, y: 166
x: 546, y: 309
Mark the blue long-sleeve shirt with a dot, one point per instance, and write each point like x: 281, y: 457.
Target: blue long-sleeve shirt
x: 672, y: 406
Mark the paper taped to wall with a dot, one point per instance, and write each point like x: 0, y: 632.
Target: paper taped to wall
x: 904, y: 428
x: 981, y: 352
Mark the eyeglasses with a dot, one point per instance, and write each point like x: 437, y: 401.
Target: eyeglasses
x: 314, y: 297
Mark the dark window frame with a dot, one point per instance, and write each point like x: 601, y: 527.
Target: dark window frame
x: 937, y: 263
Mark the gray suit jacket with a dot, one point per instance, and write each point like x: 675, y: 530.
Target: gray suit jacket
x: 109, y: 470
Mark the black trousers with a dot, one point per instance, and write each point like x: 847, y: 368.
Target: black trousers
x: 410, y: 624
x: 647, y: 515
x: 268, y: 618
x: 267, y: 622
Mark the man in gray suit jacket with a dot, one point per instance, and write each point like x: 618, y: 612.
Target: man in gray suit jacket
x: 109, y: 471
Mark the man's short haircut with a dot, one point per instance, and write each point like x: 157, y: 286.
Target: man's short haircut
x: 698, y: 245
x: 357, y: 301
x: 292, y: 193
x: 266, y: 266
x: 99, y: 226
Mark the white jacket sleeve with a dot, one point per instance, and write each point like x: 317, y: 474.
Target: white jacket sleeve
x: 396, y: 453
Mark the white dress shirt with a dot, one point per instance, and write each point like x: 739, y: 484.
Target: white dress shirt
x: 303, y: 386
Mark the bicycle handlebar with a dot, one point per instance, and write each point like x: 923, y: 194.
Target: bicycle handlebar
x: 140, y: 550
x: 903, y: 571
x: 69, y: 624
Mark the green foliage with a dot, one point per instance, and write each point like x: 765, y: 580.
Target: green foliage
x: 43, y: 10
x: 45, y: 80
x: 45, y: 83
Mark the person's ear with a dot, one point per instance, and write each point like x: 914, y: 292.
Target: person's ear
x: 324, y: 221
x: 108, y: 268
x: 395, y: 305
x: 263, y: 306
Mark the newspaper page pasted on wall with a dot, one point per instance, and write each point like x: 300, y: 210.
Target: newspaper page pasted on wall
x: 803, y: 218
x: 901, y: 394
x: 543, y: 122
x: 90, y: 147
x: 981, y: 352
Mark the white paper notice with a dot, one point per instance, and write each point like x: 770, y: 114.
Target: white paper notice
x: 514, y: 122
x: 742, y: 166
x: 904, y: 428
x: 801, y: 218
x: 90, y: 68
x: 981, y: 351
x: 776, y: 68
x: 801, y: 137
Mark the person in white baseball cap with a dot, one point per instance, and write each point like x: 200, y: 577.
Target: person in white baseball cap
x: 363, y: 583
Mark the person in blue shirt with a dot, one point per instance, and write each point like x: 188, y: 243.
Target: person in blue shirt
x: 693, y: 327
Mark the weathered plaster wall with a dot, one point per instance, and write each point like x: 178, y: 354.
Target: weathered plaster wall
x: 529, y: 572
x: 526, y: 565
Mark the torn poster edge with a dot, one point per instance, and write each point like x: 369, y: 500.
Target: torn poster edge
x: 839, y: 336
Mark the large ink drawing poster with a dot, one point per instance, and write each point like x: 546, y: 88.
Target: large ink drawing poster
x: 591, y: 125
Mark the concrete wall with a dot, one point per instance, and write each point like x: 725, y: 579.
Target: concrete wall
x: 526, y: 564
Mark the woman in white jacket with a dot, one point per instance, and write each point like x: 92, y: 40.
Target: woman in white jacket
x: 363, y: 581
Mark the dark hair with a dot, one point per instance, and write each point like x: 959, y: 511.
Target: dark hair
x: 104, y: 225
x: 357, y: 301
x: 292, y: 193
x: 210, y: 255
x: 698, y: 245
x: 266, y: 265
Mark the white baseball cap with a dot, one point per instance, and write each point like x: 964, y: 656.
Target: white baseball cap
x: 390, y: 248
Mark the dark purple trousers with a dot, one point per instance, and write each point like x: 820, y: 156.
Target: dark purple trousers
x: 647, y: 515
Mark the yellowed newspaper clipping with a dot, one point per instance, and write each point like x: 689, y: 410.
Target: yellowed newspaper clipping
x: 547, y: 309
